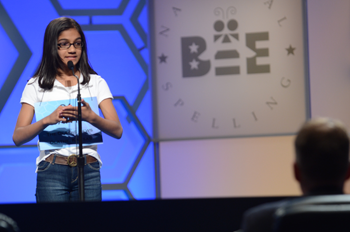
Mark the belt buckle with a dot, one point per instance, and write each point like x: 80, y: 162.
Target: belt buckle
x: 71, y: 161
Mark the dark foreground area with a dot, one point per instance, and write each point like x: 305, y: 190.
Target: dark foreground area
x: 216, y: 214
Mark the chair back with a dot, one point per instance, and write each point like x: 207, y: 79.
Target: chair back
x: 317, y: 213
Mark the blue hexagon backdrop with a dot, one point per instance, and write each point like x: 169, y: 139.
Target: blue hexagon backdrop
x: 116, y: 32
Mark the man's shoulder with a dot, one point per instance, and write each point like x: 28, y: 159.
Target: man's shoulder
x: 260, y: 218
x: 265, y: 208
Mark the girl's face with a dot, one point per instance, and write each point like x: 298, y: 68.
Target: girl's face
x: 69, y: 46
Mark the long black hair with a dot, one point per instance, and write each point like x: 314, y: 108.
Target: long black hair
x: 51, y: 62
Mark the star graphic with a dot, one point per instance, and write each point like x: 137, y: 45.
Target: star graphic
x: 194, y: 64
x: 290, y: 50
x: 162, y: 58
x: 194, y: 48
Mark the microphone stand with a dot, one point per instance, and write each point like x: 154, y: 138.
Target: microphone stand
x: 80, y: 161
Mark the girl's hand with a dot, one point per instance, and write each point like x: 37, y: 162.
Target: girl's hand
x: 55, y: 117
x: 87, y: 114
x: 70, y: 113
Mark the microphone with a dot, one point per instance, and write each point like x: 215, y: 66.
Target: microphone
x: 80, y: 159
x: 70, y: 65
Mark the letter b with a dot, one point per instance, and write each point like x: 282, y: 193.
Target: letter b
x: 192, y: 47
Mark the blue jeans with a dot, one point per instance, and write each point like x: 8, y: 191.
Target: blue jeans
x: 57, y: 182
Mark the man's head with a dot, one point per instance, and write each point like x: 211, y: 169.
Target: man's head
x: 322, y: 154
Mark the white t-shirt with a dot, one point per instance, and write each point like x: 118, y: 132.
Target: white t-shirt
x: 97, y: 87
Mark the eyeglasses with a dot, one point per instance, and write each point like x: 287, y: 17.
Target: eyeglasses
x: 66, y: 45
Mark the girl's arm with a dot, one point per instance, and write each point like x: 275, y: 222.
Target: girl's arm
x: 25, y: 131
x: 110, y: 124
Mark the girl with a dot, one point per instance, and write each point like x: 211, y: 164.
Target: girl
x: 57, y: 180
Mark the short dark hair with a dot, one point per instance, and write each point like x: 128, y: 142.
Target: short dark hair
x: 51, y: 62
x: 322, y: 150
